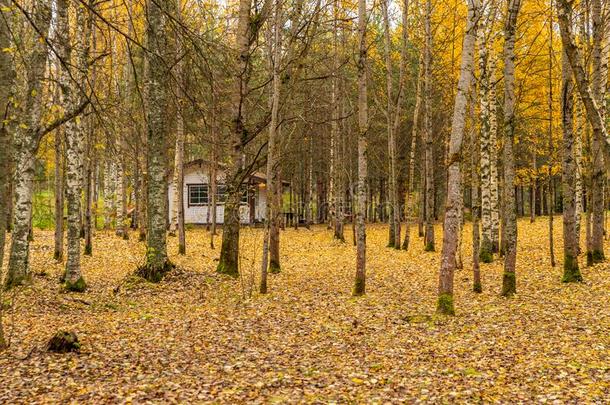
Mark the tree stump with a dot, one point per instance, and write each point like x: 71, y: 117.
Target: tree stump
x: 63, y: 342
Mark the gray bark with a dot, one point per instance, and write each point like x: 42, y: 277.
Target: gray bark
x: 509, y: 284
x: 157, y: 103
x: 453, y: 207
x: 27, y: 140
x: 571, y: 271
x: 360, y: 282
x: 428, y: 138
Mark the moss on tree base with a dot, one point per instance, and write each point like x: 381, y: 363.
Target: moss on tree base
x: 486, y: 256
x: 429, y: 247
x: 154, y: 274
x: 88, y: 250
x: 16, y: 280
x: 477, y: 287
x: 571, y: 272
x: 359, y: 287
x: 444, y: 305
x: 595, y: 256
x: 78, y: 286
x: 229, y: 270
x: 509, y: 284
x: 58, y: 256
x: 274, y: 267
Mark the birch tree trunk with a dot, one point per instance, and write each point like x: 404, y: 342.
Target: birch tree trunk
x: 109, y: 186
x: 158, y: 43
x: 571, y: 271
x: 58, y: 253
x: 410, y: 199
x: 509, y: 282
x: 393, y: 113
x: 337, y: 175
x: 429, y: 141
x: 177, y: 215
x: 73, y: 92
x: 275, y: 59
x: 578, y: 167
x: 593, y: 110
x: 90, y: 159
x: 486, y: 249
x: 493, y: 155
x: 477, y: 286
x: 453, y: 217
x: 533, y: 190
x: 360, y: 281
x: 121, y: 192
x: 7, y: 83
x: 236, y: 172
x: 595, y: 254
x: 550, y: 137
x: 27, y: 140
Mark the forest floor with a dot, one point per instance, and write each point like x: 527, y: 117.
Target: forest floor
x: 201, y: 337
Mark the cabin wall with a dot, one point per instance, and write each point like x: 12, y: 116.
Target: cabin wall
x: 199, y: 214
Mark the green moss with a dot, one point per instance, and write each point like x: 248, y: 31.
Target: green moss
x: 78, y: 286
x: 88, y: 249
x: 486, y: 256
x: 595, y: 256
x: 571, y: 272
x: 359, y: 287
x: 444, y: 304
x: 274, y: 267
x: 477, y: 287
x: 58, y: 256
x: 509, y: 284
x: 14, y: 280
x: 154, y: 274
x: 229, y: 270
x: 429, y: 247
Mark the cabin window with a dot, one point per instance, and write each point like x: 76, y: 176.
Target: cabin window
x: 198, y: 194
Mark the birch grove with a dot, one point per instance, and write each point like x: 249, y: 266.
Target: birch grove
x: 220, y: 143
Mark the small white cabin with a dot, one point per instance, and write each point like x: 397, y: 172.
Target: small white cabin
x: 198, y: 201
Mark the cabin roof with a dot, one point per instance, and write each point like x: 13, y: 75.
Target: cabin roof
x: 256, y: 177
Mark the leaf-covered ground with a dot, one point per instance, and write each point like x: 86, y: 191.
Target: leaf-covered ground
x: 200, y: 337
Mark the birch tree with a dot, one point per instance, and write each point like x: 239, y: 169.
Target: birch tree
x: 7, y: 82
x: 337, y: 187
x: 393, y: 120
x: 571, y: 271
x: 599, y: 73
x: 453, y: 206
x: 428, y: 138
x: 72, y: 87
x: 509, y: 282
x: 177, y: 215
x: 27, y: 140
x: 360, y: 282
x: 240, y: 134
x: 58, y: 252
x: 274, y: 63
x: 157, y: 103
